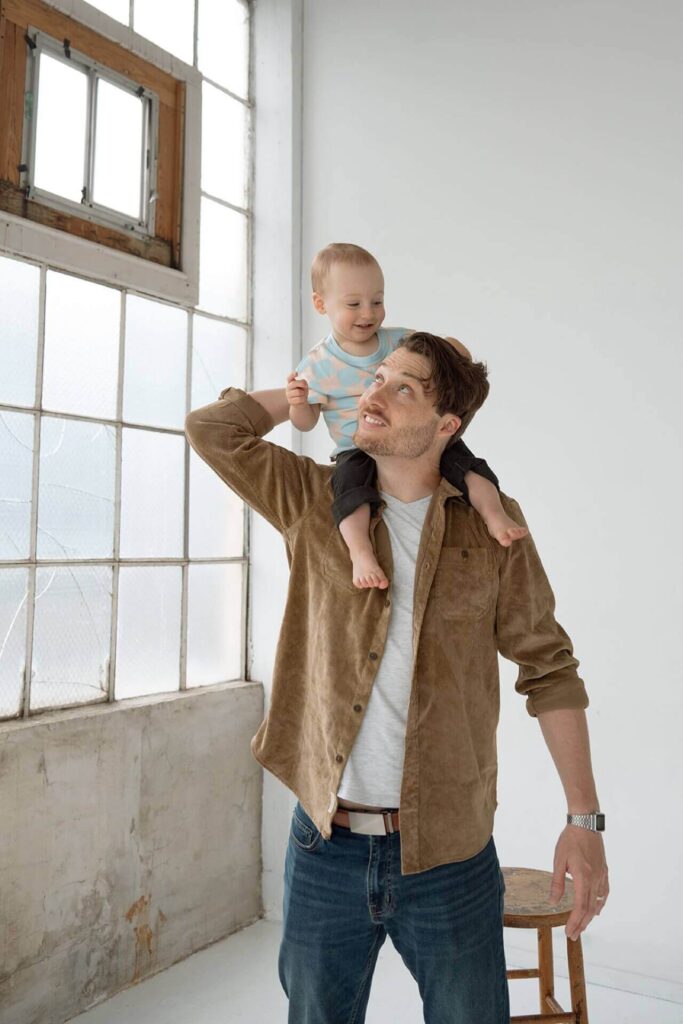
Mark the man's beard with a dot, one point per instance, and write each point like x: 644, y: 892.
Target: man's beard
x: 404, y: 442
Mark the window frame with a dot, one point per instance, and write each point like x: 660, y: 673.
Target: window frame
x: 88, y: 209
x: 78, y: 254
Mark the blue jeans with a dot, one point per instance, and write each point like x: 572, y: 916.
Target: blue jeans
x: 342, y: 897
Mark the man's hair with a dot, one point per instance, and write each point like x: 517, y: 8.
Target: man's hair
x: 338, y: 252
x: 459, y: 385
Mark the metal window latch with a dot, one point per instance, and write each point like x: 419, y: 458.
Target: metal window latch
x: 67, y: 49
x: 31, y: 43
x: 84, y: 194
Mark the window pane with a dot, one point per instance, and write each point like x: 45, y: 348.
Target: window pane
x: 223, y: 43
x: 13, y: 593
x: 224, y: 153
x: 223, y: 261
x: 152, y: 495
x: 71, y: 635
x: 219, y: 359
x: 114, y: 8
x: 76, y: 482
x: 16, y: 474
x: 214, y: 627
x: 216, y: 514
x: 148, y: 644
x: 19, y: 297
x: 118, y: 149
x: 81, y: 346
x: 60, y: 128
x: 155, y: 363
x: 170, y: 26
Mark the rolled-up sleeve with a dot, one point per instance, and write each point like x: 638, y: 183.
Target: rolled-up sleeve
x: 275, y: 482
x: 528, y: 633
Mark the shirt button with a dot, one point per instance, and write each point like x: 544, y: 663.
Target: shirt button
x: 339, y: 758
x: 465, y: 554
x: 387, y: 603
x: 426, y: 565
x: 372, y: 656
x: 357, y: 707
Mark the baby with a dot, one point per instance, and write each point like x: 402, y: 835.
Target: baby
x: 348, y: 286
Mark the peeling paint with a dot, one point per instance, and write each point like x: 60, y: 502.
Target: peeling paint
x: 146, y: 938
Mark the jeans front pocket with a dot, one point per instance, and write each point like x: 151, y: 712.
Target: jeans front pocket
x: 303, y: 831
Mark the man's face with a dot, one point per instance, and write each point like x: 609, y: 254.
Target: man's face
x: 353, y: 300
x: 396, y: 414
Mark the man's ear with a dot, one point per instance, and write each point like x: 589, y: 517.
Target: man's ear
x: 318, y: 302
x: 451, y: 425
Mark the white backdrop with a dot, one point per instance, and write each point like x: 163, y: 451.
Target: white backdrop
x: 516, y: 169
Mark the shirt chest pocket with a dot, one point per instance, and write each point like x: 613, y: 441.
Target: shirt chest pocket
x: 464, y: 583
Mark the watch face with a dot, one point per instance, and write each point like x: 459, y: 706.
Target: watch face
x: 600, y: 822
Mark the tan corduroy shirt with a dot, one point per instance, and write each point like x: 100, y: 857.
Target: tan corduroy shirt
x: 472, y: 599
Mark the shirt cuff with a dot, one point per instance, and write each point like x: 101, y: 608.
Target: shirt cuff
x: 251, y: 412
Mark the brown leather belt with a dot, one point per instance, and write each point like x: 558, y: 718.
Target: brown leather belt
x: 369, y: 823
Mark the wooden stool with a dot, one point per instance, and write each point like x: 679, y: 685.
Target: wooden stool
x: 527, y: 906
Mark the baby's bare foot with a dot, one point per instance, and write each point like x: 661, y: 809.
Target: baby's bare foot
x: 505, y: 530
x: 367, y: 571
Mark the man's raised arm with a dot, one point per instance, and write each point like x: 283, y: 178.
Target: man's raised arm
x: 228, y: 436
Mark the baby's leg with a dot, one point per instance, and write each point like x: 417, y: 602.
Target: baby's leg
x: 354, y: 483
x: 355, y: 529
x: 479, y: 485
x: 485, y: 498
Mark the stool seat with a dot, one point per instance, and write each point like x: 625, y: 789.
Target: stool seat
x: 527, y: 899
x: 527, y: 905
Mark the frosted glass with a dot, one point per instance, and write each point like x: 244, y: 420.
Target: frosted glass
x: 13, y: 595
x: 224, y: 150
x: 19, y: 298
x: 169, y: 25
x: 81, y: 346
x: 16, y: 475
x: 216, y: 514
x: 152, y: 495
x: 61, y: 128
x: 118, y: 9
x: 71, y: 636
x: 76, y: 489
x: 223, y: 260
x: 118, y: 149
x: 155, y: 363
x: 214, y: 625
x: 219, y: 359
x: 148, y: 644
x: 223, y: 43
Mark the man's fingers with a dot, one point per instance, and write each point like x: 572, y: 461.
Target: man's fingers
x: 557, y: 884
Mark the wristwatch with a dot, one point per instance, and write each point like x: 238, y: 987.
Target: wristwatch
x: 595, y: 821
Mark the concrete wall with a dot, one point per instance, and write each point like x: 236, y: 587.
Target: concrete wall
x: 129, y: 838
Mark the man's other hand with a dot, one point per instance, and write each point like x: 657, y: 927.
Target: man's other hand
x: 580, y: 853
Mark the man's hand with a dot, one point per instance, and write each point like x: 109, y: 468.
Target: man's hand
x: 580, y: 853
x: 296, y: 390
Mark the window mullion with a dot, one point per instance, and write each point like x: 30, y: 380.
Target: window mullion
x: 89, y: 163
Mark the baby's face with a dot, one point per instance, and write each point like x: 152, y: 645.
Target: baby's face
x: 353, y: 299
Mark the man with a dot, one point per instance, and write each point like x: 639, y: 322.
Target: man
x: 385, y: 703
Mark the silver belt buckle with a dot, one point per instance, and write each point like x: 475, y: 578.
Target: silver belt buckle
x: 368, y: 824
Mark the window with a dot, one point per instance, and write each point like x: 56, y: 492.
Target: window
x: 100, y: 143
x: 90, y: 141
x: 122, y: 556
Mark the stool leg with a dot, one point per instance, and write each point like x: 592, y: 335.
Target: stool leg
x: 546, y: 977
x: 577, y: 983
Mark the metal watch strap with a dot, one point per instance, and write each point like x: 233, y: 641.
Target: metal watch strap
x: 595, y: 821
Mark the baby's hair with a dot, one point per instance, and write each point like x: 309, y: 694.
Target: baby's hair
x: 338, y: 252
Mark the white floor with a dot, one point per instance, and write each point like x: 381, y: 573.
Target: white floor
x: 235, y: 981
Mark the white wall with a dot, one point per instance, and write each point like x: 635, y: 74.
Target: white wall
x: 516, y: 169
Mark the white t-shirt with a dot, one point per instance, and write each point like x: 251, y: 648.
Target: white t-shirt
x: 374, y: 768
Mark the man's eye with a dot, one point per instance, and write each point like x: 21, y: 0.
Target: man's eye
x: 407, y: 387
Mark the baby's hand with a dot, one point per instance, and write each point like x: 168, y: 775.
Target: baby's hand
x: 296, y: 390
x: 459, y: 347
